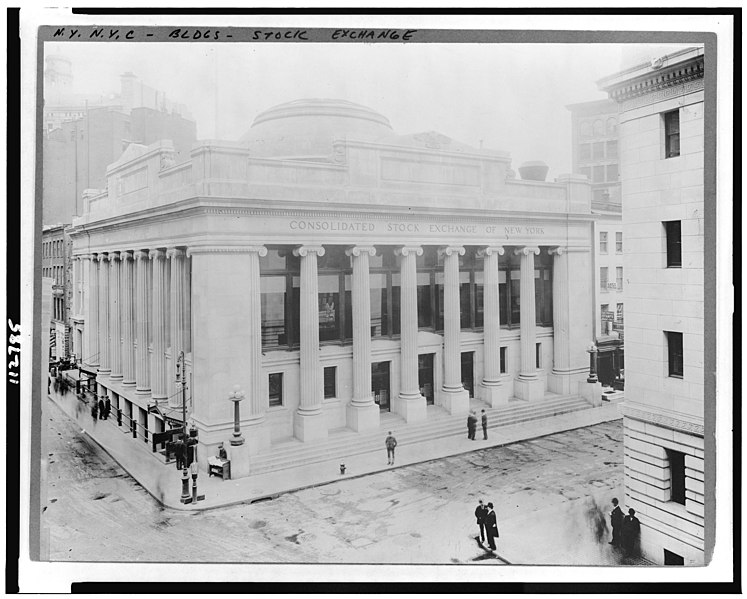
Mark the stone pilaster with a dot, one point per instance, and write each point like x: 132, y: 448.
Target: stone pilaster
x: 128, y: 319
x: 309, y: 423
x: 115, y: 317
x: 177, y: 315
x: 104, y: 333
x: 410, y: 404
x: 90, y: 313
x: 142, y: 318
x: 454, y: 397
x: 528, y: 385
x: 159, y: 388
x: 492, y: 390
x: 362, y: 412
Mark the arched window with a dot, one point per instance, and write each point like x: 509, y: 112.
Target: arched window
x: 586, y: 129
x: 612, y: 126
x: 598, y: 128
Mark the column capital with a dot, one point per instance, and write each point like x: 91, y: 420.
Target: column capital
x: 449, y: 250
x: 101, y: 257
x: 226, y: 249
x: 559, y: 250
x: 140, y: 254
x: 526, y: 250
x: 406, y: 250
x: 125, y: 255
x: 357, y: 250
x: 305, y: 250
x: 82, y: 257
x: 157, y: 253
x: 113, y: 257
x: 174, y: 252
x: 490, y: 250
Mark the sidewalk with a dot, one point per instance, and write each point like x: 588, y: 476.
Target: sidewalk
x: 164, y: 482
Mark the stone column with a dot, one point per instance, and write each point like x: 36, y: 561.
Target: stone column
x: 362, y: 412
x: 176, y: 324
x: 454, y: 397
x: 128, y: 320
x: 528, y: 385
x: 90, y: 313
x: 159, y: 388
x: 559, y: 381
x: 410, y: 404
x: 76, y: 286
x: 309, y: 423
x: 104, y: 366
x: 142, y: 310
x: 115, y: 317
x: 492, y: 390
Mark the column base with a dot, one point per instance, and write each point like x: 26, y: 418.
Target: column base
x: 309, y: 427
x: 240, y: 459
x: 128, y: 383
x: 115, y: 377
x: 142, y: 392
x: 529, y: 389
x: 455, y: 402
x: 560, y: 383
x: 591, y: 392
x: 494, y: 395
x: 412, y: 409
x: 363, y: 418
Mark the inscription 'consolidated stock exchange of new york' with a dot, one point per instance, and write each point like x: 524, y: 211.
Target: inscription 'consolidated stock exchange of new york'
x: 414, y: 227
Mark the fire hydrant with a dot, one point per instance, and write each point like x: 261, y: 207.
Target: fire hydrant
x: 342, y: 468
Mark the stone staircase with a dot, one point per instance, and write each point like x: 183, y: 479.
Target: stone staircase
x: 344, y: 442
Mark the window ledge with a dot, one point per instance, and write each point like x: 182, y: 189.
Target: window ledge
x: 676, y: 376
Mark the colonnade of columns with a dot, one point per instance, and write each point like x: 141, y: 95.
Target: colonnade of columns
x: 136, y: 309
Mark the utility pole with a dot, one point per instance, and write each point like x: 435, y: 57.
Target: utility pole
x: 181, y: 377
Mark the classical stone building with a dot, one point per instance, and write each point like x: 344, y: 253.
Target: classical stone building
x: 337, y: 272
x: 662, y: 163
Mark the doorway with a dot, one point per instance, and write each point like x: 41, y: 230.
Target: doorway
x: 425, y: 377
x: 380, y: 385
x: 468, y: 372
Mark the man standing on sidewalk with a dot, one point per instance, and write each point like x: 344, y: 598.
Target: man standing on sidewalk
x: 491, y: 525
x: 616, y: 519
x: 484, y: 419
x: 481, y: 513
x: 471, y: 425
x: 391, y: 443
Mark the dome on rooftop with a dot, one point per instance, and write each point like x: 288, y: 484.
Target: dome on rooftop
x: 307, y: 128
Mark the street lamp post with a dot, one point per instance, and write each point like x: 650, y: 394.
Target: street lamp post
x: 592, y: 363
x: 181, y: 377
x: 236, y: 396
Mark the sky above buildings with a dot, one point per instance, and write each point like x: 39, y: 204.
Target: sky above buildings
x: 508, y: 97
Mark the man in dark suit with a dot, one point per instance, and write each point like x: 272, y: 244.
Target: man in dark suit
x: 631, y: 529
x: 491, y: 526
x: 616, y: 518
x: 481, y: 512
x: 484, y: 426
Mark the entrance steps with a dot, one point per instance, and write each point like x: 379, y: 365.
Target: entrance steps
x: 344, y: 442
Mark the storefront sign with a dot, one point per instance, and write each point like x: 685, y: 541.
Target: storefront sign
x: 608, y: 316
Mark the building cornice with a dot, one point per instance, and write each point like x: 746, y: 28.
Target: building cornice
x: 663, y: 420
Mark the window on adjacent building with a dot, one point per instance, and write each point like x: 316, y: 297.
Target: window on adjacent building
x: 598, y: 174
x: 676, y: 460
x: 619, y: 281
x: 586, y: 172
x: 603, y: 318
x: 598, y: 128
x: 619, y: 311
x: 584, y: 152
x: 603, y: 278
x: 612, y: 148
x: 602, y: 242
x: 597, y: 150
x: 330, y: 382
x: 612, y: 173
x: 586, y: 129
x: 611, y: 126
x: 675, y: 354
x: 672, y: 133
x: 504, y: 351
x: 276, y: 389
x: 618, y: 242
x: 673, y: 230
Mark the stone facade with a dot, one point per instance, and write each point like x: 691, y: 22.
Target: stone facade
x: 379, y: 206
x: 664, y: 459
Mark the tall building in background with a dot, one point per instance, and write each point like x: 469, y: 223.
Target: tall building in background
x: 662, y: 162
x: 594, y: 138
x: 56, y: 265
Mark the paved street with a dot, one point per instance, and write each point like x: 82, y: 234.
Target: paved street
x: 545, y: 490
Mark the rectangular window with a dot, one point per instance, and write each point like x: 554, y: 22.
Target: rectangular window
x: 597, y: 150
x: 330, y: 382
x: 584, y: 152
x: 674, y: 352
x: 672, y: 134
x: 673, y: 559
x: 619, y: 311
x: 603, y: 278
x: 603, y: 242
x: 612, y: 173
x: 504, y: 352
x: 676, y: 461
x: 586, y: 172
x: 604, y: 318
x: 674, y: 243
x: 329, y: 307
x: 618, y: 242
x: 619, y: 277
x: 598, y: 174
x: 538, y: 355
x: 379, y: 305
x: 612, y: 148
x: 272, y: 301
x: 276, y: 389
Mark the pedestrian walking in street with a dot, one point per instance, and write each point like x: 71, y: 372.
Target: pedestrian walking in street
x: 484, y: 419
x: 390, y: 443
x: 471, y: 425
x: 491, y: 525
x: 616, y: 519
x: 94, y: 411
x: 481, y: 513
x: 631, y: 528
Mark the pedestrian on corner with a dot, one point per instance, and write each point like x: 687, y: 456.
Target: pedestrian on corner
x: 484, y: 419
x: 616, y: 519
x: 491, y: 525
x: 471, y: 425
x: 481, y: 513
x: 390, y: 443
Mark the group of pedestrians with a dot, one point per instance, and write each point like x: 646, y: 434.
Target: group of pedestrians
x: 488, y: 523
x: 100, y: 410
x: 472, y: 425
x: 625, y: 529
